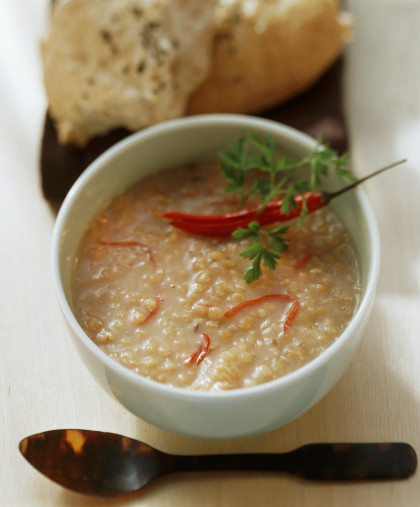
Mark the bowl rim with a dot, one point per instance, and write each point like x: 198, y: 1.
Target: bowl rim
x: 181, y: 392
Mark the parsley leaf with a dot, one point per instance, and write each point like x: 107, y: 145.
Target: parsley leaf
x: 274, y: 177
x: 265, y: 247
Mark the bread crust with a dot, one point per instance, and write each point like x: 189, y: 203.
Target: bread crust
x: 123, y: 63
x: 132, y: 63
x: 268, y: 51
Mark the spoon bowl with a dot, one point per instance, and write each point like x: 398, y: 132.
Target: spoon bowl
x: 107, y: 464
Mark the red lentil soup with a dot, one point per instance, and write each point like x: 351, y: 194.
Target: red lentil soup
x: 174, y: 307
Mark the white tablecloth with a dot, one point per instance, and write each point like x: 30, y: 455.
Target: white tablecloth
x: 43, y: 384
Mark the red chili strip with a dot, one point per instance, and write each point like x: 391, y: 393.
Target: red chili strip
x: 225, y: 217
x: 285, y: 297
x: 206, y: 230
x: 155, y: 309
x: 201, y: 352
x: 225, y: 224
x: 291, y: 316
x: 130, y: 244
x: 303, y: 262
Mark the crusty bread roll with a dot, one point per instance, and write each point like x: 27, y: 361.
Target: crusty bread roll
x: 123, y: 63
x: 266, y: 52
x: 134, y: 63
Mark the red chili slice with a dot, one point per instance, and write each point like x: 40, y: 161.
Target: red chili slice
x: 303, y: 261
x: 285, y: 297
x: 155, y: 309
x: 201, y: 352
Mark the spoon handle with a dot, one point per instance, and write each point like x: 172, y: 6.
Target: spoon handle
x: 332, y: 462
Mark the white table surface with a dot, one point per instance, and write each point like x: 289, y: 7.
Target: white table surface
x: 43, y: 384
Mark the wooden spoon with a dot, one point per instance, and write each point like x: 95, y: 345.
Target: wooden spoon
x: 107, y: 464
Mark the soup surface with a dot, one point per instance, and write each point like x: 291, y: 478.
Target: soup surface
x: 175, y: 308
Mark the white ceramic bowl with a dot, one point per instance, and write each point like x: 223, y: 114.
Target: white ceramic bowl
x: 229, y: 414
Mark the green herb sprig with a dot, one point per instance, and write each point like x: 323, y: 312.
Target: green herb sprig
x: 275, y: 178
